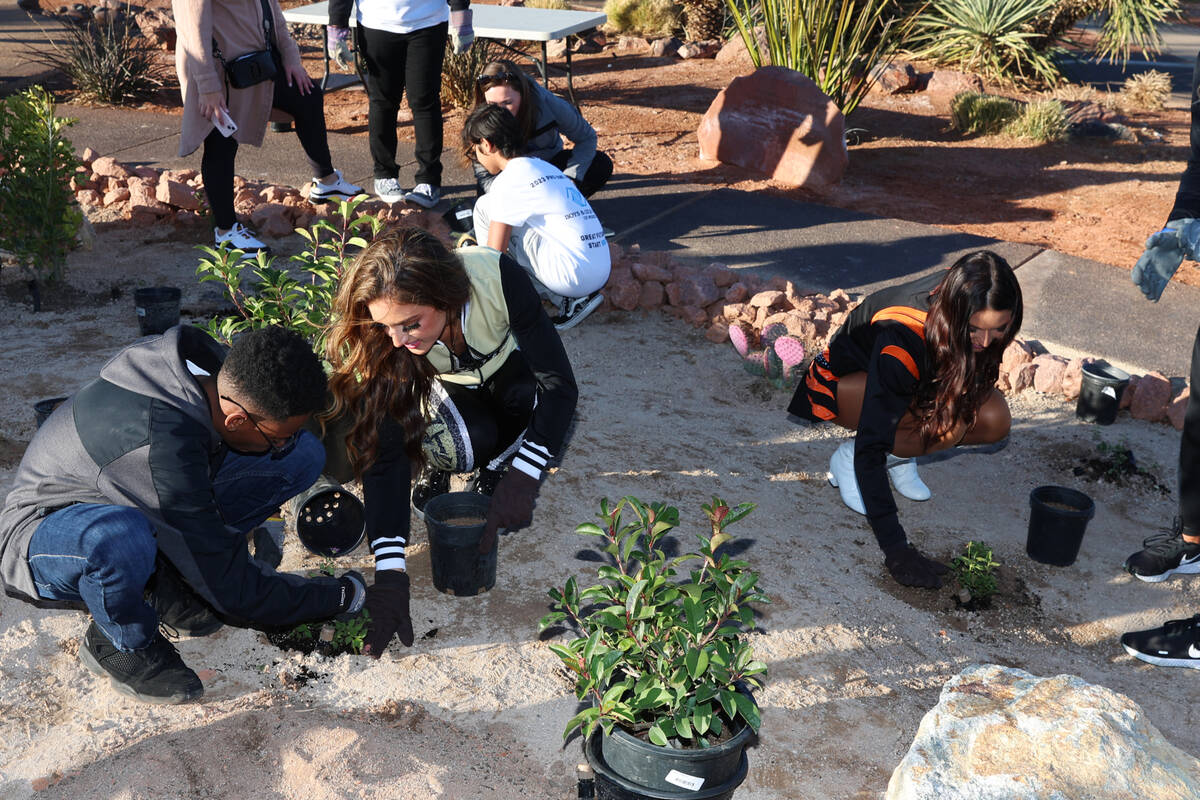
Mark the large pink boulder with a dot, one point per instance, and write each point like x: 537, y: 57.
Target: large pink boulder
x: 776, y: 121
x: 1153, y: 396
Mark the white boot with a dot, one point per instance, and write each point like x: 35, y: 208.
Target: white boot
x: 841, y: 475
x: 903, y: 472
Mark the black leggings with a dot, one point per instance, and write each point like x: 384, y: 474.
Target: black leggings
x: 216, y: 163
x: 1189, y: 454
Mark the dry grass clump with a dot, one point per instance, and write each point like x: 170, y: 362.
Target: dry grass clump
x: 650, y: 18
x: 1147, y: 91
x: 1042, y: 121
x: 972, y: 112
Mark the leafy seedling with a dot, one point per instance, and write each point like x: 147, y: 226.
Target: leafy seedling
x: 976, y: 572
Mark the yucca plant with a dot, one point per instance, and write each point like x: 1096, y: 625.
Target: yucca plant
x: 991, y: 37
x: 1125, y: 24
x: 833, y: 42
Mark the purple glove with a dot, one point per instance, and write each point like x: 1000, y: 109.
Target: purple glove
x: 337, y: 42
x: 511, y: 508
x: 387, y: 603
x: 461, y: 32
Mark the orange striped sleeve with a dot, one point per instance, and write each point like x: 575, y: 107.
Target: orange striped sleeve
x: 903, y: 356
x: 911, y: 318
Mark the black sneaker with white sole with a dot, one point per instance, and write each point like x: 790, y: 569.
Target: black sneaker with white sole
x: 153, y: 674
x: 431, y: 483
x: 576, y: 308
x: 485, y: 480
x: 1163, y: 555
x: 1176, y: 644
x: 178, y: 605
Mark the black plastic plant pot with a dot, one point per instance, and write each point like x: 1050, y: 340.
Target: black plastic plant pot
x: 1100, y: 391
x: 157, y: 308
x: 42, y: 409
x: 329, y: 520
x: 1058, y: 517
x: 455, y: 523
x: 716, y: 780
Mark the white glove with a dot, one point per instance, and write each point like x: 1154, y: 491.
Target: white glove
x: 337, y: 41
x: 461, y: 32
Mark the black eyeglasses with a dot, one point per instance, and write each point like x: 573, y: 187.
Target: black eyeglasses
x: 488, y: 81
x: 276, y: 450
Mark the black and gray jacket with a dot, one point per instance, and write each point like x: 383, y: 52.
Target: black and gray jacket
x: 141, y: 435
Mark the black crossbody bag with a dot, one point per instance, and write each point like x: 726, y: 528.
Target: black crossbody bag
x: 252, y: 68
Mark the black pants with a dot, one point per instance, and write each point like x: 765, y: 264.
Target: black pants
x: 1189, y: 453
x: 597, y: 174
x: 216, y: 164
x: 498, y: 412
x: 395, y: 63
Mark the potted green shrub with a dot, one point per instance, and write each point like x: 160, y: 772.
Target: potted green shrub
x: 662, y: 654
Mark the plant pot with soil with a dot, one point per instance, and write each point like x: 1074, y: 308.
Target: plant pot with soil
x: 662, y: 655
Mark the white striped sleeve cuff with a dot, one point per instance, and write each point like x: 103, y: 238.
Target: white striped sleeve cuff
x: 389, y: 553
x: 531, y: 459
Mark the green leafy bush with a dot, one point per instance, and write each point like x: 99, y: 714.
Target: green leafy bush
x: 976, y: 571
x: 1042, y: 121
x: 833, y: 42
x: 276, y: 297
x: 1146, y: 90
x: 38, y: 214
x: 657, y: 655
x: 107, y: 61
x: 972, y: 112
x: 459, y: 71
x: 646, y: 17
x: 991, y: 37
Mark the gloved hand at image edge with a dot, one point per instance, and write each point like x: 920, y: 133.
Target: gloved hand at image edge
x: 354, y: 595
x: 1164, y: 253
x: 910, y: 568
x: 387, y: 603
x: 512, y: 506
x: 462, y: 35
x: 337, y: 41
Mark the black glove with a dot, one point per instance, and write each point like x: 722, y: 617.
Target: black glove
x: 910, y: 568
x: 354, y: 594
x: 387, y: 603
x: 266, y: 549
x: 511, y: 508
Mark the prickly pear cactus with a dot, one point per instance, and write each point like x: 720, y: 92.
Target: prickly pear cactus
x: 790, y: 351
x: 740, y: 340
x: 771, y: 333
x: 756, y: 363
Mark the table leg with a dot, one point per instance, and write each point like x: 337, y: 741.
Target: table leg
x: 544, y: 66
x: 570, y: 84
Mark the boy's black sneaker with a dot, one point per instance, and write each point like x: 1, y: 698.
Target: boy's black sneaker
x: 485, y: 480
x: 575, y: 309
x: 154, y: 674
x: 178, y: 606
x: 1163, y: 555
x: 431, y: 483
x: 1176, y: 644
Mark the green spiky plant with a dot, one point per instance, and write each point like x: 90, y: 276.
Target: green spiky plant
x: 972, y: 112
x: 1042, y: 121
x: 662, y: 654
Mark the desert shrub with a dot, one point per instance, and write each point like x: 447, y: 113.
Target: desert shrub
x: 703, y: 19
x: 1042, y: 120
x: 990, y: 37
x: 38, y: 214
x: 460, y: 70
x: 1076, y: 92
x: 833, y: 42
x: 1124, y: 24
x: 1146, y: 90
x: 645, y: 17
x: 560, y: 5
x: 972, y: 112
x: 107, y: 61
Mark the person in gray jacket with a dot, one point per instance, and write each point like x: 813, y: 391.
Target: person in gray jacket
x: 544, y: 118
x: 154, y: 473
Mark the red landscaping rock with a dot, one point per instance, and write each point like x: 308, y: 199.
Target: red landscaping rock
x: 1153, y: 396
x: 109, y: 168
x: 736, y: 311
x: 624, y: 294
x: 146, y: 172
x: 1130, y: 391
x: 89, y: 197
x: 667, y: 46
x: 88, y: 156
x: 768, y: 299
x: 697, y: 289
x: 645, y: 271
x: 1022, y: 377
x: 184, y: 217
x: 1178, y: 408
x: 778, y: 122
x: 271, y: 219
x: 115, y: 196
x: 1073, y: 378
x: 276, y: 194
x: 652, y: 295
x: 697, y: 316
x: 894, y: 77
x: 944, y: 84
x: 706, y: 49
x: 734, y: 50
x: 177, y: 194
x: 737, y: 293
x: 1049, y: 376
x: 721, y: 275
x: 717, y: 333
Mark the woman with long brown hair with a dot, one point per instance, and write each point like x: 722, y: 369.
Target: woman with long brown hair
x: 913, y: 371
x: 445, y: 360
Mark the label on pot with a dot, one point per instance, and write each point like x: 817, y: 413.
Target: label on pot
x: 1109, y: 392
x: 684, y: 781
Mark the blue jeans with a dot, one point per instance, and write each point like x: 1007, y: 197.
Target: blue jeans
x: 103, y: 555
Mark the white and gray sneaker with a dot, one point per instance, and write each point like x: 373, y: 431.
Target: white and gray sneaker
x: 239, y: 237
x: 388, y: 190
x: 575, y: 309
x: 424, y: 195
x: 339, y: 189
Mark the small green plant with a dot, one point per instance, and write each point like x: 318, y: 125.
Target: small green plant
x: 39, y: 217
x: 646, y: 17
x: 833, y: 42
x: 972, y: 112
x: 1042, y: 121
x: 278, y: 298
x: 459, y: 71
x: 660, y: 656
x: 107, y: 61
x: 991, y: 37
x: 1117, y: 458
x: 347, y: 636
x: 976, y: 571
x: 1146, y: 90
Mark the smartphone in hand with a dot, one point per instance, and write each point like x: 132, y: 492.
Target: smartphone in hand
x: 225, y: 123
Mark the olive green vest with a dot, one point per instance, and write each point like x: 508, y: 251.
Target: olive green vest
x: 485, y: 325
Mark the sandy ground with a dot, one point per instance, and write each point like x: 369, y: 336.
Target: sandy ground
x: 477, y: 706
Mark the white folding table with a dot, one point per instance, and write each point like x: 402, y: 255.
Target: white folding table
x: 490, y: 22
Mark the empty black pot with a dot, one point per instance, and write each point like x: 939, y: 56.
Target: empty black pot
x: 1058, y: 517
x: 329, y: 520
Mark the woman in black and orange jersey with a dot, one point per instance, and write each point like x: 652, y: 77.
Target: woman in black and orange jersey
x: 912, y: 371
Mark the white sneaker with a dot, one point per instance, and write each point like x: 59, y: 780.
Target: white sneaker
x: 841, y: 477
x: 424, y: 195
x: 575, y: 309
x: 239, y: 237
x: 388, y: 190
x: 903, y: 472
x: 340, y: 189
